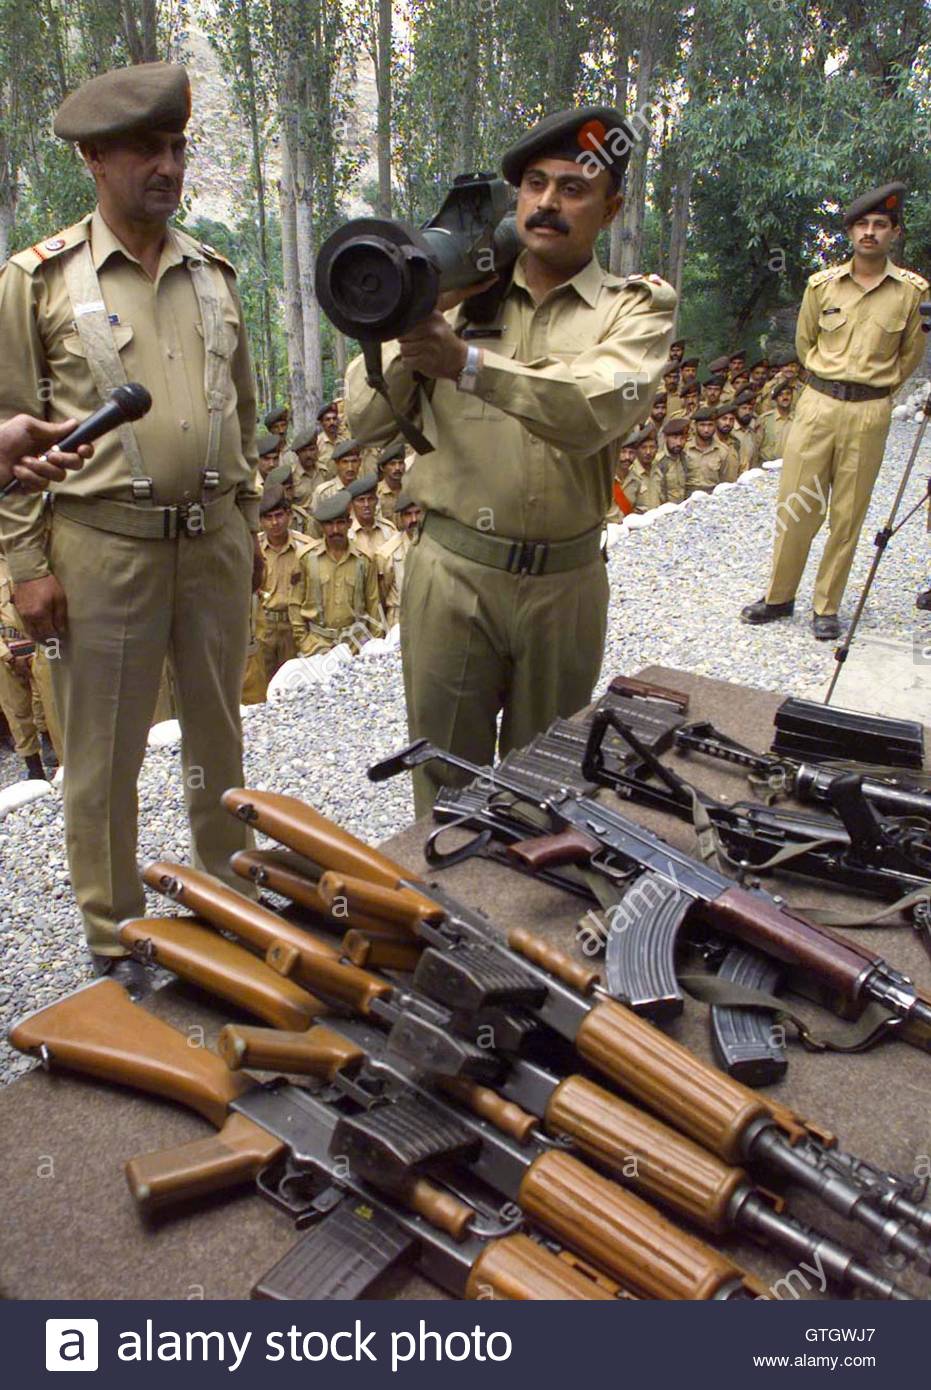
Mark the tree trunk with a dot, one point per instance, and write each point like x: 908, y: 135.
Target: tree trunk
x: 341, y: 356
x: 468, y: 90
x: 383, y: 88
x: 621, y: 83
x: 269, y: 365
x: 303, y: 182
x: 140, y: 25
x: 301, y: 412
x: 679, y: 221
x: 632, y: 212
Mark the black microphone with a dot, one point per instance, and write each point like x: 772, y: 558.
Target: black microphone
x: 124, y: 404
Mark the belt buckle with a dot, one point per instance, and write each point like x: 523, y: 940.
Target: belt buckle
x: 531, y: 557
x: 193, y: 518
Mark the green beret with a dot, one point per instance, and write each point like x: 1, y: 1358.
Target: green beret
x: 707, y: 412
x: 348, y: 446
x: 274, y: 416
x: 304, y: 438
x: 642, y: 435
x: 403, y: 501
x: 145, y: 96
x: 268, y: 444
x: 360, y: 486
x: 595, y: 137
x: 391, y: 451
x: 273, y: 499
x: 725, y: 408
x: 336, y: 504
x: 281, y: 473
x: 782, y: 359
x: 889, y: 199
x: 677, y: 425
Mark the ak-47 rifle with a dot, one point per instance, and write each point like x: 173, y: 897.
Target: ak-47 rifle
x: 467, y: 967
x: 638, y: 1150
x: 282, y: 1138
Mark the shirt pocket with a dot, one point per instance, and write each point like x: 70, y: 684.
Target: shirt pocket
x: 73, y: 343
x: 884, y: 333
x: 229, y: 337
x: 831, y: 321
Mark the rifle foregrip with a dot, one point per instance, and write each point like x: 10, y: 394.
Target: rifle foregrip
x: 293, y: 823
x: 199, y: 954
x: 488, y: 1105
x: 377, y: 952
x: 696, y: 1098
x: 228, y: 1159
x: 401, y: 908
x: 643, y: 1153
x: 623, y: 1234
x: 319, y: 1052
x: 441, y: 1209
x: 516, y: 1267
x: 99, y: 1031
x: 552, y: 959
x: 335, y: 979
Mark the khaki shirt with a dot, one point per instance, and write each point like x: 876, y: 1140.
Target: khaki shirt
x: 706, y: 466
x: 11, y: 624
x: 390, y: 561
x: 282, y: 571
x: 368, y: 543
x: 847, y: 333
x: 531, y: 453
x: 160, y: 339
x: 387, y: 500
x: 773, y: 430
x: 325, y: 447
x: 641, y: 488
x: 747, y: 439
x: 670, y: 477
x: 337, y: 600
x: 733, y: 470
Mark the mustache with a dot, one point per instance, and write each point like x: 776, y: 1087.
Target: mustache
x: 547, y: 219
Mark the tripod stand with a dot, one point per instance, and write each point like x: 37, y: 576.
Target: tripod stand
x: 884, y: 536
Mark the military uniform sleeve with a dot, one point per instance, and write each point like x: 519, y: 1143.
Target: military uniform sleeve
x: 373, y: 606
x: 22, y: 370
x: 913, y: 343
x: 806, y: 330
x: 368, y: 413
x: 247, y: 495
x: 300, y: 627
x: 584, y: 404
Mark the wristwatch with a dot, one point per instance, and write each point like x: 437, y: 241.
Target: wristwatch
x: 468, y: 377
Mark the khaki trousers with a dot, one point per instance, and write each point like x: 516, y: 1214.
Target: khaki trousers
x: 17, y: 700
x: 833, y: 452
x: 131, y: 604
x: 477, y: 642
x: 276, y: 644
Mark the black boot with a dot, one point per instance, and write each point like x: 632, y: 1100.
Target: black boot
x: 923, y: 600
x: 763, y: 612
x: 35, y: 772
x: 49, y: 756
x: 825, y: 626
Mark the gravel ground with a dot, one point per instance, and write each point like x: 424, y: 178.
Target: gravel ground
x: 677, y: 588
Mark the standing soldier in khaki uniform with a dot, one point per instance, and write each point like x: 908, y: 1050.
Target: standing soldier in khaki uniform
x: 347, y: 460
x: 641, y: 486
x: 676, y: 349
x: 859, y: 337
x: 367, y: 530
x: 337, y: 598
x: 669, y: 464
x: 282, y: 552
x: 333, y: 430
x: 307, y: 473
x: 707, y: 461
x: 391, y: 469
x: 671, y: 387
x: 774, y: 423
x: 746, y: 432
x: 151, y: 551
x: 724, y: 422
x: 505, y: 592
x: 392, y: 557
x: 26, y: 690
x: 658, y: 410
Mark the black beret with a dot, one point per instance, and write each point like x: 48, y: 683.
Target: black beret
x: 330, y: 405
x: 678, y: 342
x: 707, y: 412
x: 334, y: 505
x: 360, y: 486
x: 596, y: 137
x: 679, y: 424
x: 145, y: 96
x: 273, y: 498
x: 647, y: 432
x: 889, y: 198
x: 782, y: 359
x: 391, y: 451
x: 404, y: 500
x: 761, y: 362
x: 720, y: 364
x: 268, y: 444
x: 739, y: 356
x: 690, y: 388
x: 304, y: 438
x: 689, y: 362
x: 743, y: 398
x: 278, y: 413
x: 725, y: 408
x: 782, y: 385
x: 661, y: 397
x: 281, y: 473
x: 670, y: 367
x: 713, y: 380
x: 348, y: 446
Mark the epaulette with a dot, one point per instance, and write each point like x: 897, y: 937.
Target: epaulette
x: 36, y: 256
x: 201, y: 248
x: 661, y: 292
x: 316, y: 547
x: 820, y: 276
x: 915, y: 279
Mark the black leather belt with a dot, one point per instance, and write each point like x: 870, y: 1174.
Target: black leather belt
x: 848, y: 390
